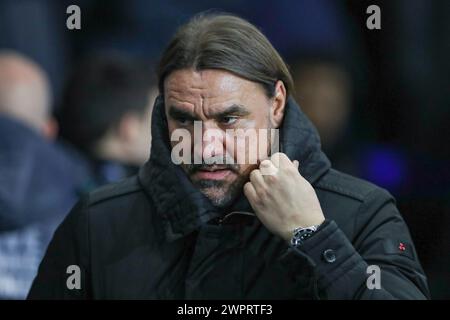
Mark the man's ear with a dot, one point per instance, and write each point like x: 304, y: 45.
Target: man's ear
x: 278, y: 104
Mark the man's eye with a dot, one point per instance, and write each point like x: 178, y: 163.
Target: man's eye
x: 184, y: 121
x: 229, y: 120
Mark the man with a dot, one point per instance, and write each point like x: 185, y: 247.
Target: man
x: 288, y: 228
x: 37, y: 180
x: 105, y: 114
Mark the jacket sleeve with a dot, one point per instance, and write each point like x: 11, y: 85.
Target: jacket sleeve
x: 64, y: 270
x: 344, y: 269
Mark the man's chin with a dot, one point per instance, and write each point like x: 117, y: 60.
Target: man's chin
x: 220, y: 193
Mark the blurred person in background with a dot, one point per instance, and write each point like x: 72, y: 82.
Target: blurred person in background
x: 105, y: 114
x: 37, y: 180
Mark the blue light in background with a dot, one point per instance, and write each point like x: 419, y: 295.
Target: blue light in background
x: 385, y: 166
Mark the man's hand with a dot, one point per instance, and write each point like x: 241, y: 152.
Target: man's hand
x: 283, y: 200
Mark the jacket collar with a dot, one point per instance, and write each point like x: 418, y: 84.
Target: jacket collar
x: 182, y: 207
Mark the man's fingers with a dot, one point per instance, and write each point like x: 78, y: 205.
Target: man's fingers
x: 267, y: 168
x: 280, y: 160
x: 257, y: 181
x: 250, y: 193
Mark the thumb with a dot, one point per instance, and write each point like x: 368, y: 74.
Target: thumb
x: 296, y: 163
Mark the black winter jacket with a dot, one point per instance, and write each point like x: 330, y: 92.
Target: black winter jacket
x: 155, y: 236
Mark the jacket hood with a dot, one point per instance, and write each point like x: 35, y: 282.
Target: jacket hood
x: 182, y: 207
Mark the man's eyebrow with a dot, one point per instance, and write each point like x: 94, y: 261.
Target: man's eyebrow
x: 235, y: 109
x: 176, y: 113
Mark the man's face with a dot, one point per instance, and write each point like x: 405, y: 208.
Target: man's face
x: 220, y: 101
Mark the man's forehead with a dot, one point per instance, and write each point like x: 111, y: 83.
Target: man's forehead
x: 205, y: 83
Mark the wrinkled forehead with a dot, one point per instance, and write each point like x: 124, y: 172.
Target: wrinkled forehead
x: 188, y: 88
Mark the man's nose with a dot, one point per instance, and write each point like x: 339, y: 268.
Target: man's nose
x: 211, y: 142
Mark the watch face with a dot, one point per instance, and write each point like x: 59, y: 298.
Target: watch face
x: 295, y: 242
x: 301, y: 234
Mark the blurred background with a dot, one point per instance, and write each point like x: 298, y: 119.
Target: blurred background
x: 75, y: 106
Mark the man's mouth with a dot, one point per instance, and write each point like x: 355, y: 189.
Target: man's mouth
x: 212, y: 173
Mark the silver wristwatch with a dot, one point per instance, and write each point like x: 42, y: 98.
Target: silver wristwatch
x: 299, y: 235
